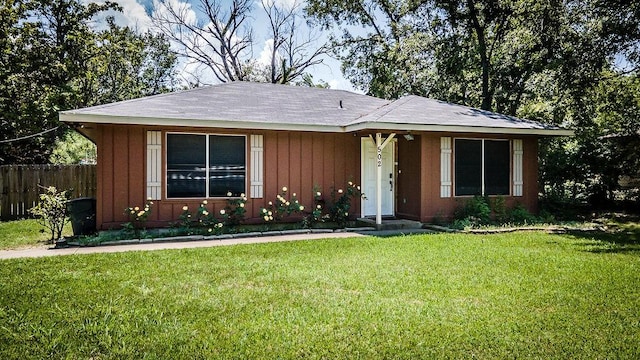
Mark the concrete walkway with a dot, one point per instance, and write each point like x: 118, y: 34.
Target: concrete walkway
x: 46, y: 251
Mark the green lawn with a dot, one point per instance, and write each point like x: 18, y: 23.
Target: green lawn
x: 518, y: 295
x: 25, y: 233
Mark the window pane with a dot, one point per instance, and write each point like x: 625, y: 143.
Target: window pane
x: 496, y: 167
x: 227, y: 165
x: 186, y: 166
x: 468, y: 167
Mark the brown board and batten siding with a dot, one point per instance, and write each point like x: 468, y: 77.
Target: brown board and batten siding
x: 301, y: 161
x: 432, y: 202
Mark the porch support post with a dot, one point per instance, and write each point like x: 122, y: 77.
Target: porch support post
x: 380, y: 145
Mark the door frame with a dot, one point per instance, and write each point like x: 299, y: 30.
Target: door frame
x: 393, y: 160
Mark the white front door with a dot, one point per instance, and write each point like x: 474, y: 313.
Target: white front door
x: 369, y: 164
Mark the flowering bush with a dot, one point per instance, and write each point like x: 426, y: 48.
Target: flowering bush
x: 317, y: 214
x: 137, y: 218
x: 203, y: 221
x: 281, y: 207
x: 235, y: 210
x: 52, y: 211
x: 341, y: 203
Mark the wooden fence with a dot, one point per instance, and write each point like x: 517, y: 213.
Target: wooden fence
x: 20, y: 185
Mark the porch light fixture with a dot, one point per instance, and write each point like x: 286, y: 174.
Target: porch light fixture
x: 408, y: 137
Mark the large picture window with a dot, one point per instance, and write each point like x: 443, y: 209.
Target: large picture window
x: 482, y: 167
x: 200, y: 166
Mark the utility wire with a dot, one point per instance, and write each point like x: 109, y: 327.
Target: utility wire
x: 28, y: 136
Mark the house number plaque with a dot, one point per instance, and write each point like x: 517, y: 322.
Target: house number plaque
x: 379, y: 156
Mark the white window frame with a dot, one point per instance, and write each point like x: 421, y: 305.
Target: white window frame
x: 166, y: 155
x: 483, y: 167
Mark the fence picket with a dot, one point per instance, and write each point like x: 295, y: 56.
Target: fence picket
x: 20, y: 185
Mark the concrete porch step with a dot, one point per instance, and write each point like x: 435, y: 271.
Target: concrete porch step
x: 391, y: 224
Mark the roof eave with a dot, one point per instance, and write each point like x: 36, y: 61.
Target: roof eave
x: 71, y: 117
x: 457, y: 129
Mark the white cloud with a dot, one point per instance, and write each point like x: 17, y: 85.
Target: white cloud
x: 133, y: 15
x: 265, y: 55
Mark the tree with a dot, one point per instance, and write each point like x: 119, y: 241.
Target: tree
x: 222, y: 41
x: 127, y: 65
x: 52, y: 60
x: 74, y: 148
x: 381, y: 48
x: 45, y: 45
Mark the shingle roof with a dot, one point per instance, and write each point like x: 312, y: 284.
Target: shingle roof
x: 417, y: 110
x: 282, y: 107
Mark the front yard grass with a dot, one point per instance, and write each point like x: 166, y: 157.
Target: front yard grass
x: 516, y: 295
x: 25, y: 233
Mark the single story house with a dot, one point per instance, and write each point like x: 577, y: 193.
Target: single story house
x: 414, y: 157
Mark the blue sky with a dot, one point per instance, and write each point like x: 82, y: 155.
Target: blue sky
x: 137, y: 14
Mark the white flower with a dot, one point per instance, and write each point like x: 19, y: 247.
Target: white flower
x: 284, y: 189
x: 204, y: 202
x: 270, y: 203
x: 205, y: 213
x: 242, y: 195
x: 270, y: 213
x: 350, y: 183
x: 266, y: 218
x: 301, y: 207
x: 264, y: 211
x: 287, y: 203
x: 339, y: 191
x: 358, y: 187
x: 318, y: 206
x: 210, y: 230
x: 294, y: 194
x: 270, y: 217
x: 136, y: 208
x: 185, y: 208
x: 241, y: 205
x: 318, y: 193
x: 222, y: 212
x: 229, y: 193
x: 219, y: 225
x: 346, y: 214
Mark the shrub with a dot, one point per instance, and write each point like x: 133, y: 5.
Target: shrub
x: 341, y: 203
x: 499, y: 209
x: 475, y: 210
x: 203, y: 221
x: 51, y: 211
x: 317, y: 214
x: 137, y: 218
x: 235, y: 210
x: 520, y: 215
x: 282, y: 207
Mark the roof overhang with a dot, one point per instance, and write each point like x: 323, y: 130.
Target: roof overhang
x: 70, y: 117
x: 457, y: 129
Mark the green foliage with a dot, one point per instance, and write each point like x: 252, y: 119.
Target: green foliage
x: 521, y: 216
x: 475, y: 211
x: 52, y: 60
x: 317, y: 214
x: 341, y: 201
x: 235, y: 210
x: 73, y: 148
x: 52, y: 211
x: 283, y: 207
x: 518, y: 295
x: 138, y: 217
x: 26, y: 233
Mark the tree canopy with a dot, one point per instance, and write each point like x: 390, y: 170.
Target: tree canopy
x: 51, y: 59
x: 570, y: 62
